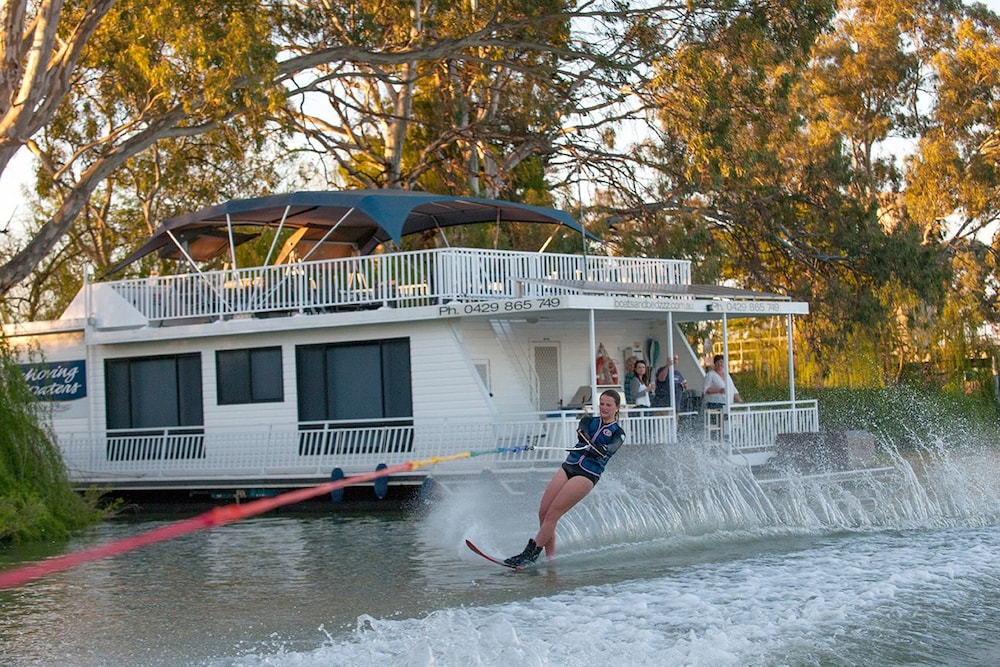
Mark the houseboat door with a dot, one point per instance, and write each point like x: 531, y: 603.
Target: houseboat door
x: 548, y: 391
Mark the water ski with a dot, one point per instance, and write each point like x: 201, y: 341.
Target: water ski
x: 490, y: 558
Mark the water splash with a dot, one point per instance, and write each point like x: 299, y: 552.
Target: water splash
x: 945, y: 475
x: 685, y: 491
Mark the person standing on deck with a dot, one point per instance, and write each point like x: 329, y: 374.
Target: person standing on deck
x: 718, y: 384
x: 598, y: 438
x: 639, y: 384
x: 661, y: 394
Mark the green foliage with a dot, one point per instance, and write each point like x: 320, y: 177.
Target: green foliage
x: 473, y: 115
x: 909, y: 416
x: 906, y: 416
x: 36, y: 500
x: 209, y: 56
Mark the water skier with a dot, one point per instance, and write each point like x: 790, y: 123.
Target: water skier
x: 598, y: 439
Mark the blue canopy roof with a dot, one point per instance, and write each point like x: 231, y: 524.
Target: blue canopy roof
x: 365, y: 218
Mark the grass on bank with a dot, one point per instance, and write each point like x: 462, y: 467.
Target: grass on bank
x: 36, y: 499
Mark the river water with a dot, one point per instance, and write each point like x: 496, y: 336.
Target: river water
x: 674, y: 559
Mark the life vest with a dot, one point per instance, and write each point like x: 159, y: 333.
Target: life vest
x: 610, y: 435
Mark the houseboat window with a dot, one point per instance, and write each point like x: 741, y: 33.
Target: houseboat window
x: 249, y: 376
x: 353, y: 381
x: 146, y: 392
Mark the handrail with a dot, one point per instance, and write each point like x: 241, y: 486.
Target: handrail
x: 413, y: 278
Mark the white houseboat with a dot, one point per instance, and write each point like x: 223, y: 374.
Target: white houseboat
x: 335, y: 353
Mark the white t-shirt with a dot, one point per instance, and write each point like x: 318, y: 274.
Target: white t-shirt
x: 714, y: 381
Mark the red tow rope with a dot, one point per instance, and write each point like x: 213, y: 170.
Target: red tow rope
x: 216, y: 517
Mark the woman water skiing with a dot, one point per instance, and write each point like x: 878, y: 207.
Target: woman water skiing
x: 598, y: 439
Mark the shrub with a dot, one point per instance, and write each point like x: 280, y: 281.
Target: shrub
x: 36, y: 499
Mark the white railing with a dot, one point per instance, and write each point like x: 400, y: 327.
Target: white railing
x: 397, y: 279
x: 167, y: 444
x: 650, y: 426
x: 336, y: 438
x: 752, y: 427
x: 182, y: 458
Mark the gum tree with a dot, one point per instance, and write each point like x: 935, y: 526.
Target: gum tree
x: 174, y: 70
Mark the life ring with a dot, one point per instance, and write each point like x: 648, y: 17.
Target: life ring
x: 607, y: 371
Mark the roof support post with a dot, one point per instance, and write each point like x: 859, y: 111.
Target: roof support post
x: 277, y: 233
x: 594, y: 399
x: 232, y: 243
x: 791, y: 366
x: 328, y: 233
x: 726, y: 422
x: 670, y: 374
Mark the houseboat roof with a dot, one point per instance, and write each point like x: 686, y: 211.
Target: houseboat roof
x: 362, y: 218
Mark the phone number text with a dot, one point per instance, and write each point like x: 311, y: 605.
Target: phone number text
x: 505, y: 306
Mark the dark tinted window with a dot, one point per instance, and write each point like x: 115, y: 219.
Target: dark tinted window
x: 249, y: 376
x: 360, y: 380
x: 147, y: 392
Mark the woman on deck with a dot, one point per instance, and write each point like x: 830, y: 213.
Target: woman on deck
x: 598, y: 439
x: 639, y: 384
